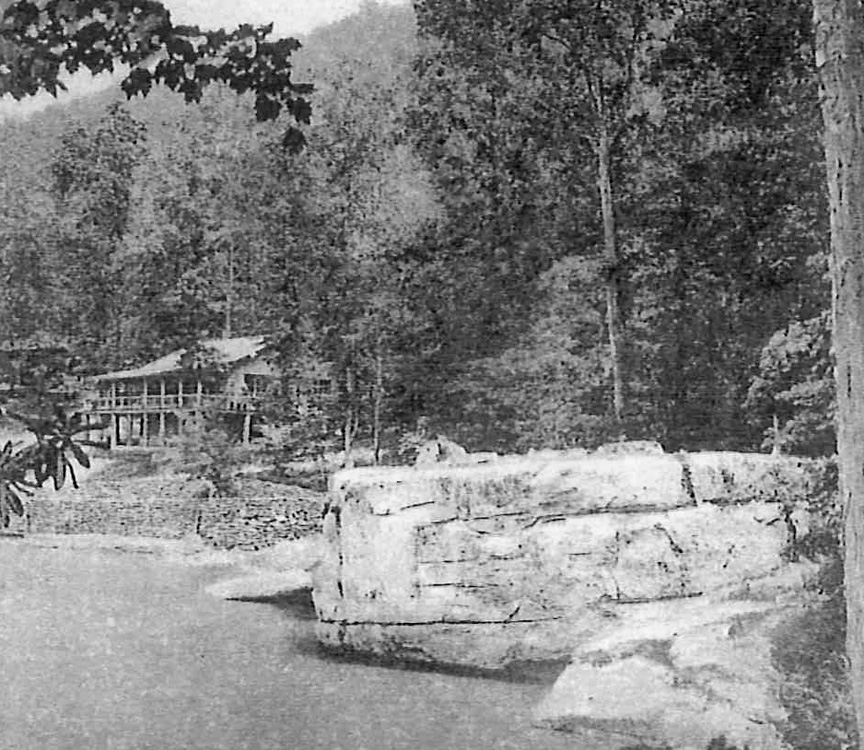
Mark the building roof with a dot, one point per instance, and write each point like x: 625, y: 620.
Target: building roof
x: 227, y: 352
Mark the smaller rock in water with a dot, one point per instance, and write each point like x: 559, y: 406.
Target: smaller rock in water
x: 262, y: 586
x: 294, y: 554
x: 442, y: 451
x: 678, y: 674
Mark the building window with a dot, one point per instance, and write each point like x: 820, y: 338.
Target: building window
x: 320, y: 387
x: 257, y: 385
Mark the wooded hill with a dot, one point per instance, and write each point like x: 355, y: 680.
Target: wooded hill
x: 441, y: 243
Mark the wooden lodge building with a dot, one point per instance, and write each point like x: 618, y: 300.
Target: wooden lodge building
x: 148, y: 405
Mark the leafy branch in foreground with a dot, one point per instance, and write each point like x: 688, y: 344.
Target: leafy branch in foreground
x: 24, y: 468
x: 39, y: 41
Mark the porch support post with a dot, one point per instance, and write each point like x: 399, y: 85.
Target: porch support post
x: 162, y: 411
x: 180, y: 407
x: 145, y: 427
x: 247, y: 427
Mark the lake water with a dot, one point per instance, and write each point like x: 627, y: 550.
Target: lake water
x: 103, y: 650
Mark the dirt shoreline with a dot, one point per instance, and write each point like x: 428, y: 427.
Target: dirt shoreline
x: 189, y: 550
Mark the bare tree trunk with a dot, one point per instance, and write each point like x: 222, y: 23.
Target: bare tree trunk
x: 229, y: 294
x: 610, y: 262
x: 775, y: 435
x: 840, y: 60
x: 350, y: 419
x: 379, y: 398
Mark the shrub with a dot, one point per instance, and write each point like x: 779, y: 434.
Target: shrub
x: 809, y: 653
x: 24, y: 468
x: 823, y: 539
x: 206, y: 451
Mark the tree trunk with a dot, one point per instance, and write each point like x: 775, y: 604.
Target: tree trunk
x: 350, y: 421
x: 610, y: 263
x: 379, y: 400
x: 229, y: 295
x: 775, y: 435
x: 840, y: 60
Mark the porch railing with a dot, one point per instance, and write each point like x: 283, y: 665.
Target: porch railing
x: 173, y: 401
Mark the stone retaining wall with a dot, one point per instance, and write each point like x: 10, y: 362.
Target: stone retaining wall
x: 167, y: 507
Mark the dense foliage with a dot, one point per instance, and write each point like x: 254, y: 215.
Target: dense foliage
x: 719, y: 207
x: 50, y: 455
x: 39, y: 41
x: 440, y: 250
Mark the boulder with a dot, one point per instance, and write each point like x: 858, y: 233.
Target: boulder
x: 728, y: 478
x: 678, y: 674
x: 301, y: 554
x: 280, y: 571
x: 442, y: 451
x: 262, y: 586
x: 520, y: 559
x: 619, y: 447
x: 641, y: 702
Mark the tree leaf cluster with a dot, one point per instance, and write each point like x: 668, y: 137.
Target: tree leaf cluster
x: 39, y: 41
x: 52, y: 456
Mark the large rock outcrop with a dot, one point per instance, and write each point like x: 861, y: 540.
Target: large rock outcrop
x: 510, y: 561
x: 659, y: 576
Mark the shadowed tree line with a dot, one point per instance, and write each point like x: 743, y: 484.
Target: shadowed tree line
x: 530, y: 224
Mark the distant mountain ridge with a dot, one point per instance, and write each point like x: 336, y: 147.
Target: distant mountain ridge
x: 26, y: 144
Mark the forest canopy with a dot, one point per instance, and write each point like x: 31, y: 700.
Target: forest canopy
x: 441, y: 245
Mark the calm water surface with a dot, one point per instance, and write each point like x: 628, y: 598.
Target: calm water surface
x: 102, y: 650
